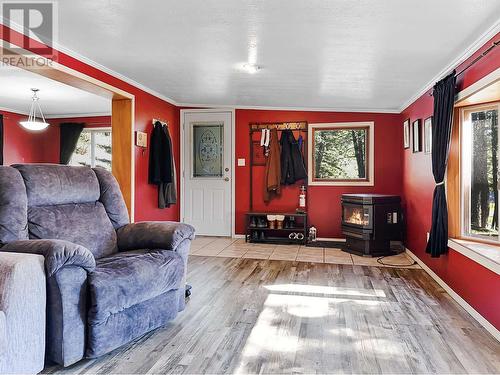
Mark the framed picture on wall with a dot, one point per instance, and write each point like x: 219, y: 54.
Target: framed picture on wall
x: 428, y: 135
x: 417, y: 139
x: 406, y: 134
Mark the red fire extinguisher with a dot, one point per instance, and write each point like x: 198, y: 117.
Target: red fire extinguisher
x: 302, y: 199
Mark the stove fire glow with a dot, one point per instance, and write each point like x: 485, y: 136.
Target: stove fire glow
x: 356, y: 216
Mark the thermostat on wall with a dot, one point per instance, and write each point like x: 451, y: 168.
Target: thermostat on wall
x: 141, y: 139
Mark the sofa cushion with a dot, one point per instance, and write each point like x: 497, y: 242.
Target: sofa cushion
x: 111, y: 198
x: 85, y: 224
x: 13, y: 206
x: 129, y: 278
x: 52, y: 184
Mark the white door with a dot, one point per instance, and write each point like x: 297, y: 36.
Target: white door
x: 207, y: 171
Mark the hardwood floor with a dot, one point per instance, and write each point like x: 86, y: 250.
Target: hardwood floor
x: 267, y: 316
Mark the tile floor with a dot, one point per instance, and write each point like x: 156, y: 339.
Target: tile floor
x: 237, y: 248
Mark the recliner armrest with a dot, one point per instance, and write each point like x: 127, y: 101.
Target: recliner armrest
x: 57, y: 253
x: 165, y: 235
x: 3, y: 340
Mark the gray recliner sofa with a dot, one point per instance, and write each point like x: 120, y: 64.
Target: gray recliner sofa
x: 22, y: 313
x: 108, y: 281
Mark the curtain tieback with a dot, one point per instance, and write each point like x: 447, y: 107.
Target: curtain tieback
x: 440, y: 183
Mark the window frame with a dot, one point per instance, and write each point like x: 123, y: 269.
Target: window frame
x: 369, y: 180
x: 92, y: 131
x: 466, y: 170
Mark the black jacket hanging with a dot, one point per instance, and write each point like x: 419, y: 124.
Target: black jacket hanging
x: 292, y: 163
x: 160, y: 157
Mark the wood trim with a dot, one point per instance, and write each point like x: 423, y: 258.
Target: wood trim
x: 122, y: 117
x: 487, y: 89
x: 453, y: 180
x: 122, y: 156
x: 370, y: 153
x: 367, y: 155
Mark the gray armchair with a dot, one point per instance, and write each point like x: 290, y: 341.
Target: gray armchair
x: 108, y: 281
x: 22, y: 313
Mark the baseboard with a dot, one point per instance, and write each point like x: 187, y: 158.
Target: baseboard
x: 331, y: 239
x: 476, y: 315
x: 238, y: 236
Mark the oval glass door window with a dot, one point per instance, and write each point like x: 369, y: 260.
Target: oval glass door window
x: 208, y: 139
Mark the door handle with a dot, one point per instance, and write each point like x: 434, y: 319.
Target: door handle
x: 226, y: 169
x: 226, y: 179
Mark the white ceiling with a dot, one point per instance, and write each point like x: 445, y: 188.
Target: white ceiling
x: 56, y: 99
x: 336, y: 54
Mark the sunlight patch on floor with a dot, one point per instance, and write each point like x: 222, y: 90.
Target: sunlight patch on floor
x: 326, y: 290
x: 286, y: 318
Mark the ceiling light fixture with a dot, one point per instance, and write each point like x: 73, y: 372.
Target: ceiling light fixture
x: 251, y: 68
x: 32, y: 123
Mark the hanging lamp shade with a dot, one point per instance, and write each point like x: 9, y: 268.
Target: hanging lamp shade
x: 34, y: 123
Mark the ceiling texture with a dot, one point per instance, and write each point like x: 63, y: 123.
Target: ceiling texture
x: 339, y: 55
x: 56, y: 99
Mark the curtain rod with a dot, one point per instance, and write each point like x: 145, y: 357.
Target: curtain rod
x: 493, y: 45
x: 485, y: 52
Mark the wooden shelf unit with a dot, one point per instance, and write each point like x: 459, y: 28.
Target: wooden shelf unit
x: 274, y: 235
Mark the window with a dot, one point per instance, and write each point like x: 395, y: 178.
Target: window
x: 341, y: 154
x: 479, y: 165
x: 93, y: 148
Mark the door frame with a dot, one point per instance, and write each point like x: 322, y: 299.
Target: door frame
x: 233, y: 159
x: 122, y: 116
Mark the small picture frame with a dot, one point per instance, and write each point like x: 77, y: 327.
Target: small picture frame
x: 417, y: 138
x: 428, y: 135
x: 141, y: 139
x: 406, y: 134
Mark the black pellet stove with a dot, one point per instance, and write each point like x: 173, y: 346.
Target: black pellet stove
x: 370, y: 222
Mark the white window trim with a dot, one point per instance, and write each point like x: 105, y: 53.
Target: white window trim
x: 371, y: 153
x: 465, y: 171
x: 92, y: 141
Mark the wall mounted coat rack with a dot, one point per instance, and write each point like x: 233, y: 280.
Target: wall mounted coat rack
x: 300, y: 126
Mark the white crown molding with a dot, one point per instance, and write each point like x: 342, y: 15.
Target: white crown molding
x: 305, y: 109
x: 473, y: 48
x: 57, y: 116
x: 15, y: 111
x: 60, y: 48
x: 465, y: 305
x: 113, y: 73
x: 76, y: 115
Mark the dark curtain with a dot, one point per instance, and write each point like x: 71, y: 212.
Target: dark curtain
x: 1, y: 139
x: 444, y: 98
x: 70, y: 132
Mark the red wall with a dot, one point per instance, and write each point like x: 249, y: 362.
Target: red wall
x: 147, y: 107
x: 90, y: 122
x: 473, y: 282
x: 24, y: 146
x: 323, y: 201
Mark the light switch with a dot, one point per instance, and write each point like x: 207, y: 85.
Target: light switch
x: 241, y: 162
